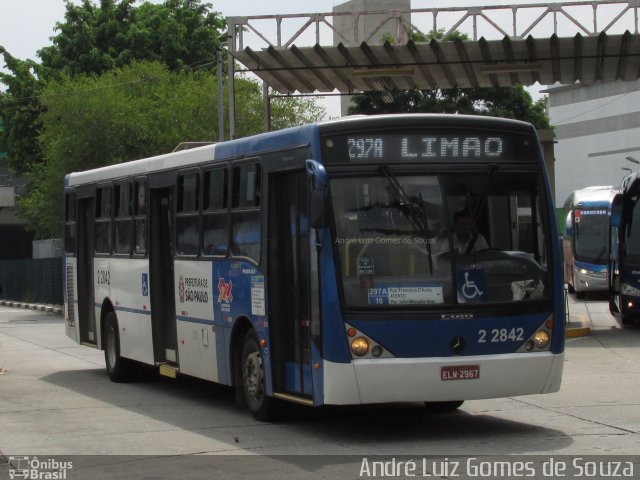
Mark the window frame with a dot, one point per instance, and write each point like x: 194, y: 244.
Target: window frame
x: 101, y: 219
x: 138, y: 216
x: 119, y: 219
x: 240, y: 209
x: 71, y: 223
x: 188, y: 214
x: 208, y: 213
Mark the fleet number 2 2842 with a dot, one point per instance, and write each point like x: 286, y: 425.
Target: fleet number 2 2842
x: 499, y: 335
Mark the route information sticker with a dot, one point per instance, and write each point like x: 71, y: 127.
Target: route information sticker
x: 427, y: 294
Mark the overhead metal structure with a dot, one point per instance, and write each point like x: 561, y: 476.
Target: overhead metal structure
x: 525, y: 44
x: 429, y: 65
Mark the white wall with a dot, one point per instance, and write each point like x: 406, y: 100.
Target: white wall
x: 596, y: 127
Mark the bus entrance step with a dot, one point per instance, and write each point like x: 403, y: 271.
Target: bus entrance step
x: 294, y: 398
x: 168, y: 370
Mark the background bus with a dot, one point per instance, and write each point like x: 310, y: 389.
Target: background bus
x: 317, y: 264
x: 624, y: 254
x: 586, y: 239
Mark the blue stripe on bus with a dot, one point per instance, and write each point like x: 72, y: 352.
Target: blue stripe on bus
x: 195, y: 320
x: 126, y: 309
x: 593, y: 267
x: 131, y: 310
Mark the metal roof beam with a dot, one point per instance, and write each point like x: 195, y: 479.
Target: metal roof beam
x: 316, y: 71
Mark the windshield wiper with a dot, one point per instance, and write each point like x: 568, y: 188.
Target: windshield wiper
x: 415, y: 213
x: 493, y: 168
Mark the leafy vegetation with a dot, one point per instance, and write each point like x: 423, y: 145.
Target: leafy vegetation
x: 509, y: 102
x: 120, y: 82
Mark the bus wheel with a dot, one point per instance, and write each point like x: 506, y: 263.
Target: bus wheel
x: 444, y: 407
x: 626, y: 321
x: 117, y: 367
x: 253, y: 383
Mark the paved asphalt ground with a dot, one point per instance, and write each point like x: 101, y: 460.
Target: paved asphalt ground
x: 56, y: 400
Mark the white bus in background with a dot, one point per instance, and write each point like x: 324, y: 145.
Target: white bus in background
x: 586, y: 239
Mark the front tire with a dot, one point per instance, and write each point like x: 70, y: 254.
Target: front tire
x: 118, y: 368
x: 260, y: 405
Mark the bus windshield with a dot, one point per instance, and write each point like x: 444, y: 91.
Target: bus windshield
x: 591, y: 236
x: 407, y: 239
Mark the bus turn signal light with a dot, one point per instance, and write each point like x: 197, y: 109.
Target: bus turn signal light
x: 360, y: 346
x: 541, y: 339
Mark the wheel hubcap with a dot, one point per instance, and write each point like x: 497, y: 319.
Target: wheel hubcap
x: 253, y: 375
x: 111, y: 348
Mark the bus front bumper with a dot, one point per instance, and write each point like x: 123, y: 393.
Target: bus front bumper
x: 587, y: 281
x: 425, y: 379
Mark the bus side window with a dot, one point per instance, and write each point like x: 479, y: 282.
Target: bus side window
x: 103, y: 219
x: 245, y: 220
x: 140, y: 217
x: 70, y: 222
x: 187, y: 214
x: 123, y: 220
x: 215, y: 216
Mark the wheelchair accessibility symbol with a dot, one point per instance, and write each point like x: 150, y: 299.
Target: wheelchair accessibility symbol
x: 471, y: 286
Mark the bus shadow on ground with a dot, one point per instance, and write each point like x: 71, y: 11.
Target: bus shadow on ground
x: 592, y: 297
x: 209, y: 409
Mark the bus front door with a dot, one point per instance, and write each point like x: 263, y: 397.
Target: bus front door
x: 163, y: 320
x: 86, y: 310
x: 289, y: 275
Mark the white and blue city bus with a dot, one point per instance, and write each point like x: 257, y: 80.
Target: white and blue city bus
x: 586, y: 239
x: 624, y: 252
x: 320, y: 264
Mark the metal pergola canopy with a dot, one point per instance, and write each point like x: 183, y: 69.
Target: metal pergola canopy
x: 435, y: 64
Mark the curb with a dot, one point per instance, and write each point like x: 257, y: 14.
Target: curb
x: 575, y: 332
x: 32, y: 306
x: 577, y: 326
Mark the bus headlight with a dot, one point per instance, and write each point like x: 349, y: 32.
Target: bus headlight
x: 541, y: 339
x: 626, y: 289
x: 360, y: 346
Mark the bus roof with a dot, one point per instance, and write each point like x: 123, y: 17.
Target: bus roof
x: 286, y: 138
x: 591, y: 197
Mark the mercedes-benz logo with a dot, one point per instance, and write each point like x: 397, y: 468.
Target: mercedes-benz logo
x: 457, y: 344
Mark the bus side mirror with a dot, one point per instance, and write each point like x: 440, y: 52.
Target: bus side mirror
x: 616, y: 211
x: 568, y: 227
x: 319, y: 193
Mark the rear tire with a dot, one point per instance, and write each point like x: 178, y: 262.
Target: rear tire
x: 444, y: 407
x: 118, y: 368
x: 571, y: 286
x: 260, y: 405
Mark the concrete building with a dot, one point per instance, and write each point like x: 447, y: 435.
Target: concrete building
x: 596, y: 127
x: 369, y: 28
x: 15, y: 241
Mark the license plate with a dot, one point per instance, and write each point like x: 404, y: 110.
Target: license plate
x: 461, y: 372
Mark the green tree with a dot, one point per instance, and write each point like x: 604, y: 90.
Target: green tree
x: 97, y: 38
x: 93, y: 39
x: 128, y: 113
x: 510, y: 102
x: 19, y: 112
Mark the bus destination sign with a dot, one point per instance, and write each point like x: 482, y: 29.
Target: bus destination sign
x: 361, y: 148
x: 415, y: 147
